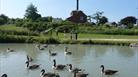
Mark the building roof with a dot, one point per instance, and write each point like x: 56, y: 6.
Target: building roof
x: 78, y: 16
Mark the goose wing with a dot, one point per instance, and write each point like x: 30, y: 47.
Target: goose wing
x: 33, y: 66
x: 110, y: 72
x: 60, y: 66
x: 49, y: 74
x: 76, y: 70
x: 81, y: 75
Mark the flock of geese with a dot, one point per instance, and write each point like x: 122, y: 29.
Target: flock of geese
x: 76, y: 71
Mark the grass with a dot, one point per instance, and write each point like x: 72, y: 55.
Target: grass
x: 105, y: 36
x: 12, y: 28
x: 48, y: 38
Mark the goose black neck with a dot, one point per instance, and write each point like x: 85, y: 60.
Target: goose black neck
x: 43, y: 72
x: 54, y: 63
x: 27, y: 64
x: 70, y: 67
x: 4, y: 75
x: 27, y: 57
x: 103, y: 69
x: 49, y: 51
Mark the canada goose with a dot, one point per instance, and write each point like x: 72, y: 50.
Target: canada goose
x: 45, y: 45
x: 108, y: 72
x: 10, y: 50
x: 29, y: 58
x: 77, y: 74
x: 4, y: 75
x: 35, y: 66
x: 59, y: 66
x: 39, y: 47
x: 67, y: 52
x: 73, y: 69
x: 49, y: 74
x: 52, y: 54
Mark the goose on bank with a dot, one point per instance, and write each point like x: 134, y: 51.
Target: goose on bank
x: 59, y: 66
x: 48, y: 74
x: 107, y: 72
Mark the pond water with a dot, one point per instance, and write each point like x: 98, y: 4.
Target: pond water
x: 88, y: 57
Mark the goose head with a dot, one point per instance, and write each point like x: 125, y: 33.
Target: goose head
x: 102, y: 67
x: 4, y: 75
x: 54, y: 63
x: 42, y: 72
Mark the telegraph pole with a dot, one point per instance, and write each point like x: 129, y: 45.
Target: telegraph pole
x: 77, y: 5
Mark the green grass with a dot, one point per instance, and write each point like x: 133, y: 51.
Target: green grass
x: 105, y: 36
x: 21, y: 35
x: 12, y: 28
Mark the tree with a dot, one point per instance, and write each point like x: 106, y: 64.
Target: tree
x: 103, y: 20
x: 97, y: 16
x: 128, y: 20
x: 3, y: 19
x: 45, y: 19
x: 31, y: 13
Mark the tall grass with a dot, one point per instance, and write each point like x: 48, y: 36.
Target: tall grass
x: 13, y: 30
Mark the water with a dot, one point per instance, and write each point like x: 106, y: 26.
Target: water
x: 88, y: 57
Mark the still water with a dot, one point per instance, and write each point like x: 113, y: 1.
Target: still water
x: 88, y: 57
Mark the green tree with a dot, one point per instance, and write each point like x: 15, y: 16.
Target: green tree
x: 128, y: 20
x: 103, y: 20
x: 31, y: 13
x: 97, y: 16
x: 45, y: 19
x: 3, y: 19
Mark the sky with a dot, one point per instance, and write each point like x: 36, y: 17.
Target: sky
x: 114, y: 10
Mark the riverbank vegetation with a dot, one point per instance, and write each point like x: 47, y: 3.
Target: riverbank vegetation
x: 34, y: 28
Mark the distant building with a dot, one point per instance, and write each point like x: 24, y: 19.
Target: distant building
x: 77, y: 15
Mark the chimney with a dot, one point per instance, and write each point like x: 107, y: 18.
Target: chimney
x: 77, y: 5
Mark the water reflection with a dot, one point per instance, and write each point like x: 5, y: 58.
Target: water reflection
x: 125, y: 51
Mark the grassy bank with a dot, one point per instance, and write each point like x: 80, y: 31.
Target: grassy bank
x: 13, y: 34
x: 53, y: 40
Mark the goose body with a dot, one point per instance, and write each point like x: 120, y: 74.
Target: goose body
x: 67, y: 52
x: 76, y: 74
x: 49, y: 74
x: 35, y: 66
x: 108, y: 72
x: 45, y: 45
x: 39, y: 47
x: 4, y: 75
x: 73, y: 69
x: 52, y: 54
x: 59, y: 66
x: 10, y: 50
